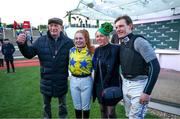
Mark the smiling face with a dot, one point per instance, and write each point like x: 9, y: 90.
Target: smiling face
x: 101, y: 39
x: 79, y: 40
x: 54, y: 29
x: 122, y: 28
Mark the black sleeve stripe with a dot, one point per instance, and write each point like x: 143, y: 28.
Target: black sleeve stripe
x: 149, y: 78
x: 153, y: 75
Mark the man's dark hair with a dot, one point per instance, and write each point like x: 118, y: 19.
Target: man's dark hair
x: 126, y: 18
x: 6, y: 39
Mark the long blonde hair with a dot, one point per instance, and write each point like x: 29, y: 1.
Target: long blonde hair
x: 85, y: 33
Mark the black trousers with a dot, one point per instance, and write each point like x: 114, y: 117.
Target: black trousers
x: 1, y: 63
x: 8, y: 62
x: 47, y: 106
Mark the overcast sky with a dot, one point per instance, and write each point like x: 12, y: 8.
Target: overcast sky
x: 35, y: 11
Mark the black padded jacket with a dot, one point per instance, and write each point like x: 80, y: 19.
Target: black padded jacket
x: 53, y: 62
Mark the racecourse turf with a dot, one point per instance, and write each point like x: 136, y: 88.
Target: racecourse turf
x: 20, y: 96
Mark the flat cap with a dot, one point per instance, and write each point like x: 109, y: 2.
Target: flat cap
x: 56, y: 21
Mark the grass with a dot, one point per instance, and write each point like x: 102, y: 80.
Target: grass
x: 20, y: 97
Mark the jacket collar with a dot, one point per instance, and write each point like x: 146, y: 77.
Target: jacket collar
x: 127, y: 38
x: 63, y: 41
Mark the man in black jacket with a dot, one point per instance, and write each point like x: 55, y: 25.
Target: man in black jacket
x: 53, y: 53
x: 8, y: 50
x: 140, y: 68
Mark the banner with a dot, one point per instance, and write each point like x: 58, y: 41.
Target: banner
x: 16, y: 25
x: 26, y: 25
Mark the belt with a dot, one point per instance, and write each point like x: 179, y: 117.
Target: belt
x: 81, y: 76
x: 129, y: 76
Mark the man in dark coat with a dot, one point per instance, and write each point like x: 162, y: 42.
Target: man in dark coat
x: 53, y: 53
x: 8, y: 50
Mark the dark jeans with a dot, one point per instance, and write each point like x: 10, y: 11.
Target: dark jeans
x: 12, y: 65
x: 47, y: 106
x: 108, y: 111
